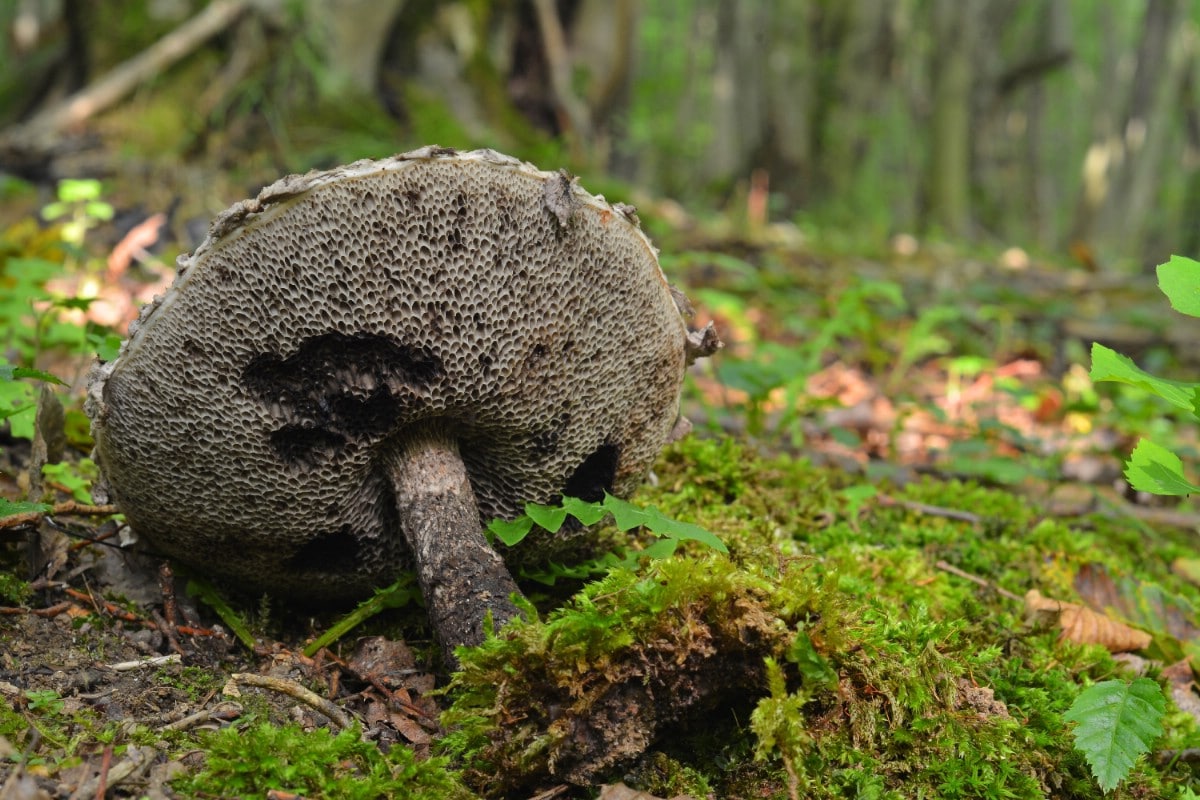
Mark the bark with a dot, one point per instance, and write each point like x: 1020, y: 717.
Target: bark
x: 462, y: 578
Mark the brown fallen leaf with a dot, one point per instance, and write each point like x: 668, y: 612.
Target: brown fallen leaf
x: 619, y: 791
x: 1085, y: 626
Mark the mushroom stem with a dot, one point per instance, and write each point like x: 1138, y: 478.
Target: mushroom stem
x: 461, y: 577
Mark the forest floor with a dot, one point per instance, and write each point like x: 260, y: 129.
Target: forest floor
x: 897, y: 444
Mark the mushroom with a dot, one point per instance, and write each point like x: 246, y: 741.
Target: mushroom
x: 360, y: 366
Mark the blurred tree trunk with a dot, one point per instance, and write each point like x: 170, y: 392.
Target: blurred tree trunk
x: 955, y: 29
x: 352, y: 35
x: 1053, y: 38
x: 1122, y: 167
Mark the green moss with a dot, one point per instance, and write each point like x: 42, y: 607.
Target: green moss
x: 251, y: 760
x: 890, y: 677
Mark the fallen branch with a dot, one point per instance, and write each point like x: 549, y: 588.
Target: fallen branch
x: 124, y: 78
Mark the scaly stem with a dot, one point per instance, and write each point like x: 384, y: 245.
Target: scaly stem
x: 462, y: 578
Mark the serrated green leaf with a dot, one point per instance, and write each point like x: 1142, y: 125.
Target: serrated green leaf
x: 1179, y: 280
x: 1109, y: 365
x: 10, y: 372
x: 1155, y: 469
x: 1115, y: 723
x: 550, y: 518
x: 628, y: 516
x: 10, y: 508
x: 511, y: 532
x: 582, y: 510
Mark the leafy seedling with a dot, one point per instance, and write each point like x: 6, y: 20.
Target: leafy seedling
x: 1116, y: 723
x: 626, y: 516
x: 1152, y: 468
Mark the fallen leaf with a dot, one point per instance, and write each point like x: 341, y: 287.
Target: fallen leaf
x: 1084, y: 626
x: 619, y: 791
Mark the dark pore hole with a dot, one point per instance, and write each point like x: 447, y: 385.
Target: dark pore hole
x: 328, y: 552
x: 594, y: 476
x: 338, y: 386
x: 301, y: 446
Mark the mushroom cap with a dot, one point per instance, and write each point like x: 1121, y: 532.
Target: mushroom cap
x: 242, y: 427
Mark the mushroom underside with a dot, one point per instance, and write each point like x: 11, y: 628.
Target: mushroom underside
x: 360, y: 367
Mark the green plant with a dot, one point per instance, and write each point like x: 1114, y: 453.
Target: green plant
x: 1152, y: 467
x: 253, y: 760
x: 626, y: 516
x: 1116, y: 722
x: 80, y: 208
x: 400, y: 593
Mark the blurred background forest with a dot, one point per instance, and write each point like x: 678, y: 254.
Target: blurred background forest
x: 1068, y: 127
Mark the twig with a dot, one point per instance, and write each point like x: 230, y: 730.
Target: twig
x: 552, y: 793
x: 292, y: 689
x: 932, y: 511
x: 156, y: 661
x: 65, y: 507
x: 224, y: 712
x: 102, y: 782
x: 953, y: 570
x: 49, y: 611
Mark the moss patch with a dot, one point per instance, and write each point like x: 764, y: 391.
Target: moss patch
x: 826, y: 656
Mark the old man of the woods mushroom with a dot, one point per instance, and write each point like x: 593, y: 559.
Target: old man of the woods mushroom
x: 359, y: 367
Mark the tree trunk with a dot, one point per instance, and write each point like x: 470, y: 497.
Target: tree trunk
x: 952, y: 74
x: 1120, y: 171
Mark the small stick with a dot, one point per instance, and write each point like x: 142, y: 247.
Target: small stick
x: 105, y: 763
x: 65, y: 507
x: 156, y: 661
x: 932, y: 511
x: 50, y: 611
x: 293, y: 689
x: 225, y: 711
x: 104, y: 607
x: 550, y: 794
x: 953, y: 570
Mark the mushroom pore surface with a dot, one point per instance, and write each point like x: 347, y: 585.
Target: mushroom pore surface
x: 245, y: 425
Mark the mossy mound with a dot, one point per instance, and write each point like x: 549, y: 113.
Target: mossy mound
x: 826, y: 656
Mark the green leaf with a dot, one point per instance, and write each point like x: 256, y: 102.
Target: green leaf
x: 1155, y: 469
x: 585, y: 512
x: 511, y: 532
x: 812, y: 665
x: 1179, y: 280
x: 1109, y: 365
x: 106, y: 345
x: 9, y: 508
x: 550, y: 518
x: 9, y: 372
x: 663, y: 548
x: 628, y: 516
x: 400, y: 593
x: 1116, y: 723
